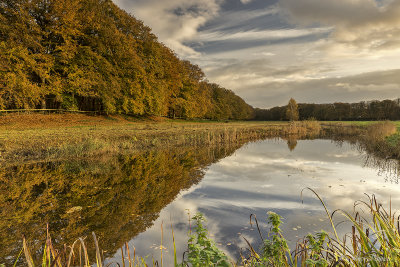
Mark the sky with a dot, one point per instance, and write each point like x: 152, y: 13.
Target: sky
x: 267, y: 51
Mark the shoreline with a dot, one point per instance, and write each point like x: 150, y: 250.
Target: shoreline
x: 28, y: 138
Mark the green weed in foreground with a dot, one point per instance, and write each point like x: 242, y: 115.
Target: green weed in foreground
x: 373, y: 240
x: 202, y: 251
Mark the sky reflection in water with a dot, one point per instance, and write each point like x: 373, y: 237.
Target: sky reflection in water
x: 267, y: 176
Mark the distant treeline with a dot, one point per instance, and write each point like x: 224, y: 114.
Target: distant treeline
x: 90, y: 55
x: 371, y: 110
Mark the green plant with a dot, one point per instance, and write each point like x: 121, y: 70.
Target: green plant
x: 202, y: 251
x: 276, y: 248
x: 316, y: 247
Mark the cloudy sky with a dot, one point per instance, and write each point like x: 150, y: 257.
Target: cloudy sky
x: 266, y: 51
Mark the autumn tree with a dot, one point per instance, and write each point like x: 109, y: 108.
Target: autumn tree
x: 91, y: 55
x: 292, y: 111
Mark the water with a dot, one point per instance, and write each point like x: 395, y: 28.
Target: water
x: 267, y: 176
x: 128, y: 198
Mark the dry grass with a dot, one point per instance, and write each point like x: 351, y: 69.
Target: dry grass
x: 379, y: 138
x: 305, y: 128
x: 40, y: 137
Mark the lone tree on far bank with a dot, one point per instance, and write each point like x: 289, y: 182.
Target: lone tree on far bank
x: 292, y: 111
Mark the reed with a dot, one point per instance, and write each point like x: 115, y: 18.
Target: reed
x: 373, y: 240
x: 77, y: 255
x: 381, y: 139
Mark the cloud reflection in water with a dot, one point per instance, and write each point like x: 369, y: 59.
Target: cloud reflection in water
x: 267, y: 176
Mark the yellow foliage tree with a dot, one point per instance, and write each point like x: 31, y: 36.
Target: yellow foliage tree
x: 292, y: 111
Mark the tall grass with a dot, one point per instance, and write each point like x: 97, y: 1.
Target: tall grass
x: 381, y: 130
x: 373, y: 240
x: 77, y: 255
x: 59, y: 137
x: 305, y: 128
x: 381, y: 139
x: 80, y: 141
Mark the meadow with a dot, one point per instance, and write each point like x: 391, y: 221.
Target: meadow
x: 36, y: 137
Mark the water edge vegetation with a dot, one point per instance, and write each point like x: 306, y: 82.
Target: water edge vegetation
x: 76, y: 136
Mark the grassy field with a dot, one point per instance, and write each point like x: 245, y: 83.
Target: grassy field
x: 392, y: 140
x: 35, y: 137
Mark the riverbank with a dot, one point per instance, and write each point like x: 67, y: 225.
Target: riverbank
x: 38, y: 137
x: 48, y: 137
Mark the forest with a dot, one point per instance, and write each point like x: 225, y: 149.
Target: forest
x: 361, y: 111
x: 90, y: 55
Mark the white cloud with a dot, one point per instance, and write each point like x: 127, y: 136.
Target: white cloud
x: 265, y: 52
x: 258, y: 34
x: 173, y: 21
x: 359, y: 24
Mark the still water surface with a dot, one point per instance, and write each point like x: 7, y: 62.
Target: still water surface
x: 129, y: 197
x: 269, y: 176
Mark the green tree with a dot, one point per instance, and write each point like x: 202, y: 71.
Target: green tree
x: 292, y: 111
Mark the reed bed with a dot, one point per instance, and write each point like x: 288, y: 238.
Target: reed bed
x: 381, y: 139
x: 25, y: 138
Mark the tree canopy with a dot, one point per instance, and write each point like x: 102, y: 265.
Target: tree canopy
x: 91, y: 55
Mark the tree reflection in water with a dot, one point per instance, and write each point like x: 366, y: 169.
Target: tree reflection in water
x: 117, y: 198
